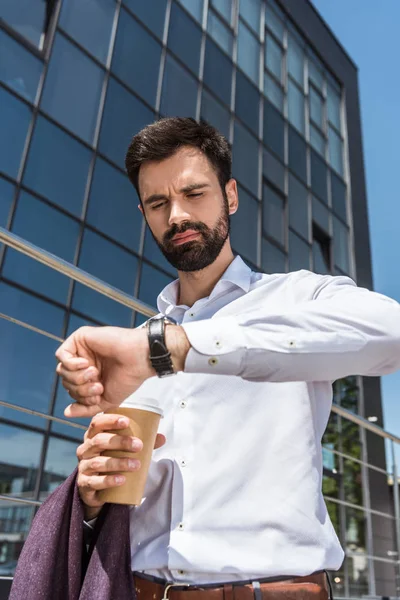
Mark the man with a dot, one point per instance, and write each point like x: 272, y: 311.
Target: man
x: 234, y: 495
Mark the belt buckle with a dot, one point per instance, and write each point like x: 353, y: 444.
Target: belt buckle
x: 168, y: 586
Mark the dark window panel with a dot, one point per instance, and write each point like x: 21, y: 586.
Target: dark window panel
x: 26, y: 17
x: 335, y: 145
x: 296, y: 107
x: 319, y: 176
x: 247, y: 104
x: 245, y: 158
x: 299, y: 218
x: 341, y: 245
x: 152, y: 282
x: 113, y: 206
x: 316, y: 107
x: 19, y: 69
x: 299, y: 253
x: 72, y: 90
x: 179, y: 91
x: 273, y: 92
x: 338, y: 189
x: 15, y: 117
x: 321, y: 251
x: 273, y: 57
x: 124, y: 116
x: 273, y: 170
x: 6, y: 198
x: 214, y: 113
x: 297, y: 154
x: 195, y: 7
x: 273, y: 214
x: 250, y: 10
x: 49, y: 229
x: 57, y: 166
x: 184, y: 38
x: 315, y: 74
x: 90, y: 24
x: 224, y: 7
x: 136, y: 58
x: 114, y: 266
x: 334, y: 107
x: 153, y: 253
x: 220, y: 32
x: 317, y: 140
x: 274, y: 130
x: 244, y: 227
x: 295, y: 61
x: 273, y: 260
x: 321, y: 215
x: 274, y: 23
x: 218, y: 72
x: 248, y: 56
x: 151, y: 13
x: 60, y: 462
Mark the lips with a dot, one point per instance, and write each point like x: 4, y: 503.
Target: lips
x: 188, y: 236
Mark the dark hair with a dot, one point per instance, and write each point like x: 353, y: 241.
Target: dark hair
x: 162, y: 139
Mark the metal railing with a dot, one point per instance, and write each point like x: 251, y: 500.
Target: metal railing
x: 17, y: 243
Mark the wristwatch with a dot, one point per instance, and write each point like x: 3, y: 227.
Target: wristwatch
x: 160, y: 357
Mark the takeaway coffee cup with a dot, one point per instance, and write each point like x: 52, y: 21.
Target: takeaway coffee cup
x: 144, y: 420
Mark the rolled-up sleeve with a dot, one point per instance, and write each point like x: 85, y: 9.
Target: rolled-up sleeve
x: 342, y: 330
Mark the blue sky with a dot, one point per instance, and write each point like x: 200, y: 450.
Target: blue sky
x: 369, y: 31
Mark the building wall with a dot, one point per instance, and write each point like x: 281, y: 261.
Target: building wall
x: 75, y: 85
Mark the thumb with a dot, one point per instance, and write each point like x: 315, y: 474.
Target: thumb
x: 68, y: 355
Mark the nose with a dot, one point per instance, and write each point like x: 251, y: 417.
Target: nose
x: 178, y: 214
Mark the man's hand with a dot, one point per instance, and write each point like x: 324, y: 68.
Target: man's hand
x: 93, y: 467
x: 101, y: 366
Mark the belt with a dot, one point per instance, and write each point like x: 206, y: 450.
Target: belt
x: 311, y: 587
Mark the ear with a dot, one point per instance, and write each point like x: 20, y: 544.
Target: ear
x: 232, y: 195
x: 140, y: 207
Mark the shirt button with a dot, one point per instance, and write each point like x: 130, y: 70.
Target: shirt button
x: 292, y: 343
x: 180, y: 527
x: 191, y: 314
x: 181, y: 572
x: 183, y: 404
x: 183, y: 463
x: 213, y: 361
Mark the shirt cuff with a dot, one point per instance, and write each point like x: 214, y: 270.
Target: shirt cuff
x: 218, y: 347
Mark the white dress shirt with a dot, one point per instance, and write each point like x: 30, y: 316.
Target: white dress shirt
x: 235, y: 493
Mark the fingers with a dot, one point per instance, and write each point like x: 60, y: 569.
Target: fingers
x: 67, y: 354
x: 81, y: 411
x: 107, y: 441
x: 106, y: 422
x: 106, y: 464
x: 160, y: 440
x: 77, y: 376
x: 86, y: 393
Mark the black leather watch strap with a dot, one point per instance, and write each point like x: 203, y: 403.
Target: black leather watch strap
x: 160, y: 357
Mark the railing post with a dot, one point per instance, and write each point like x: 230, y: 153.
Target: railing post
x: 396, y: 515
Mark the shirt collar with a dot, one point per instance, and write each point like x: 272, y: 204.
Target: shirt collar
x: 238, y: 273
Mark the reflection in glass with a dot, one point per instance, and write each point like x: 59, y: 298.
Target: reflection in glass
x: 26, y: 17
x: 297, y: 154
x: 274, y: 128
x: 273, y: 91
x: 274, y: 23
x: 151, y: 12
x: 89, y: 23
x: 316, y: 107
x: 248, y: 53
x: 317, y: 140
x: 245, y: 158
x: 15, y: 117
x: 273, y: 214
x: 113, y: 206
x: 19, y: 69
x: 250, y: 11
x: 274, y: 170
x: 273, y: 57
x: 338, y: 190
x: 244, y: 227
x: 299, y: 253
x: 357, y: 568
x: 179, y: 91
x: 335, y: 150
x: 6, y: 198
x: 315, y: 74
x: 220, y: 33
x: 296, y: 107
x: 247, y: 103
x: 295, y: 61
x: 15, y: 521
x: 224, y: 7
x: 298, y: 207
x: 72, y: 90
x: 57, y: 166
x: 195, y: 7
x: 218, y: 72
x: 184, y: 38
x: 334, y: 103
x: 60, y: 462
x: 341, y: 245
x: 152, y: 282
x: 273, y: 260
x: 319, y: 176
x: 214, y: 113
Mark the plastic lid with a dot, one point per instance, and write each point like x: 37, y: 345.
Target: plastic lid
x: 149, y: 405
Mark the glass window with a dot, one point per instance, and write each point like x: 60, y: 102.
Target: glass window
x: 273, y: 91
x: 124, y: 116
x: 297, y: 154
x: 296, y: 107
x: 60, y: 462
x: 295, y: 61
x: 195, y: 7
x: 57, y: 166
x: 316, y: 107
x: 218, y: 72
x: 250, y: 11
x: 321, y: 215
x: 111, y: 264
x: 136, y: 58
x: 152, y: 282
x: 247, y: 104
x: 153, y: 253
x: 113, y: 206
x: 299, y: 253
x: 273, y: 57
x: 49, y: 229
x: 248, y: 53
x: 274, y: 130
x: 6, y: 198
x: 338, y: 189
x: 72, y: 90
x: 89, y: 23
x: 244, y: 227
x: 184, y: 38
x: 224, y: 7
x: 19, y: 69
x: 317, y: 140
x: 245, y: 158
x: 319, y: 175
x: 179, y: 91
x: 15, y: 518
x: 341, y: 245
x: 335, y: 150
x: 274, y: 23
x: 273, y: 214
x: 214, y: 113
x: 320, y: 258
x: 151, y: 13
x: 298, y: 207
x: 315, y: 74
x: 273, y: 260
x: 220, y: 33
x: 334, y: 107
x: 15, y: 117
x: 28, y: 18
x: 273, y: 170
x: 20, y: 452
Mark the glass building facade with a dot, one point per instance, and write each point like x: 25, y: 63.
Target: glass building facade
x: 78, y: 78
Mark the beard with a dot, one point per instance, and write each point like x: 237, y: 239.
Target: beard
x: 196, y: 254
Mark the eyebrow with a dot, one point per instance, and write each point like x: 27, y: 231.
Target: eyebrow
x: 185, y: 190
